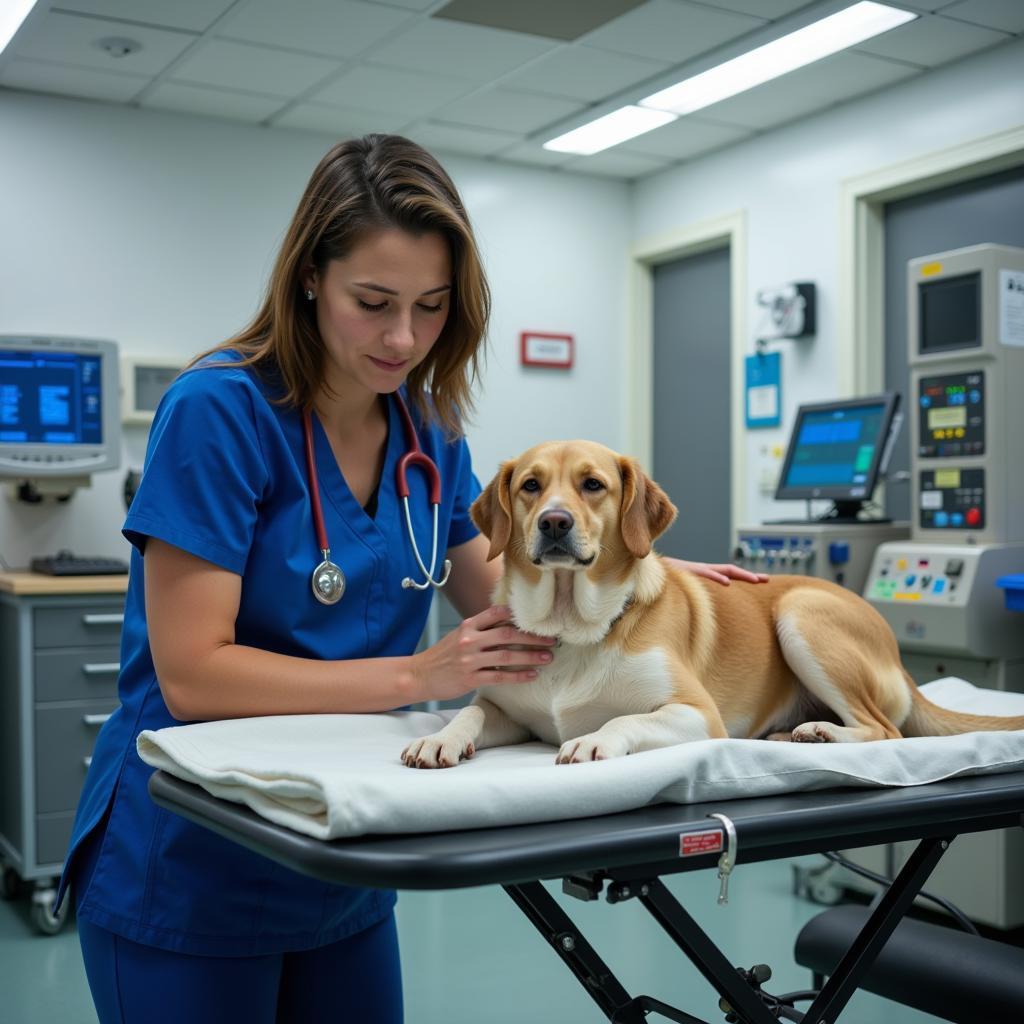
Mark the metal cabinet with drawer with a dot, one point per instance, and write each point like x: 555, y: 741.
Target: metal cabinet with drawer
x: 59, y: 660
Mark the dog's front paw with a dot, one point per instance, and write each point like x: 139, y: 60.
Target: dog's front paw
x: 437, y: 751
x: 592, y: 747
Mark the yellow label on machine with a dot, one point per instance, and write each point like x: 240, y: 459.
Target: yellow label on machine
x: 906, y: 597
x: 931, y: 269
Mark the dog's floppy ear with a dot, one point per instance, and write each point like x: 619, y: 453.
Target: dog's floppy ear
x: 492, y: 510
x: 646, y: 511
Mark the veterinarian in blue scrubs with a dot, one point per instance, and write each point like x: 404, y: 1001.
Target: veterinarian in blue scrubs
x: 377, y: 293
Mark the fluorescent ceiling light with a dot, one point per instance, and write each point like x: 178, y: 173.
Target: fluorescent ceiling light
x: 12, y: 14
x: 610, y: 130
x: 813, y: 42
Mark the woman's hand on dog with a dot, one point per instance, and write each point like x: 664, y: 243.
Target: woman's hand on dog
x: 720, y: 573
x: 483, y: 650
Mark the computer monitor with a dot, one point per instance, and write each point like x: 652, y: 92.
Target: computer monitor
x: 59, y: 407
x: 837, y: 451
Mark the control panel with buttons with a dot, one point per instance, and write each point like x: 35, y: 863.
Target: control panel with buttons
x: 837, y: 552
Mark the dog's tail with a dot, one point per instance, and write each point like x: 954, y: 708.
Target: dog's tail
x: 928, y: 719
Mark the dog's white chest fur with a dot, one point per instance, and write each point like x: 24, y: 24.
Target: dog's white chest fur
x: 583, y: 688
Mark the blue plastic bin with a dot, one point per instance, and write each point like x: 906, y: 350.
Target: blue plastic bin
x: 1014, y: 587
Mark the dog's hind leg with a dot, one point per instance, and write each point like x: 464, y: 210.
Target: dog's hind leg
x: 843, y: 661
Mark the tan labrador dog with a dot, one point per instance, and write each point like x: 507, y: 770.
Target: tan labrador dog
x: 651, y: 655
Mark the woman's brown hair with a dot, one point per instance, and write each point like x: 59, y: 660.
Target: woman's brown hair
x: 362, y: 185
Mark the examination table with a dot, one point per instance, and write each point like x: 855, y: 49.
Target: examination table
x: 624, y: 856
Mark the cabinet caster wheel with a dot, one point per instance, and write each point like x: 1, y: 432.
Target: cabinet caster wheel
x: 44, y: 920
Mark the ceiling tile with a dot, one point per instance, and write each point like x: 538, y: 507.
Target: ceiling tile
x: 410, y: 5
x: 409, y: 93
x: 68, y: 81
x: 337, y: 28
x: 194, y: 99
x: 534, y: 153
x: 1004, y: 15
x: 823, y: 84
x: 453, y: 138
x: 565, y: 21
x: 671, y: 31
x: 684, y: 138
x: 761, y: 8
x: 447, y: 48
x: 520, y: 112
x: 192, y: 15
x: 615, y: 164
x: 338, y: 121
x: 71, y: 39
x: 929, y: 6
x: 584, y: 73
x: 931, y: 41
x: 252, y: 68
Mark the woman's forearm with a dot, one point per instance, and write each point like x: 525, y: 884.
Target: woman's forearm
x: 233, y: 681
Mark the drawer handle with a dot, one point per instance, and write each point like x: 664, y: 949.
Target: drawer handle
x: 104, y: 619
x: 102, y: 668
x: 96, y: 719
x: 86, y: 761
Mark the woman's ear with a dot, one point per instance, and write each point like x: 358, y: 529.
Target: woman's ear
x: 646, y: 512
x: 492, y: 510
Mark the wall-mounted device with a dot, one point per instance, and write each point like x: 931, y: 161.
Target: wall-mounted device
x: 144, y: 379
x: 788, y: 311
x: 59, y: 416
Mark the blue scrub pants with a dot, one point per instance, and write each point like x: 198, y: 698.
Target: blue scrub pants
x: 357, y: 979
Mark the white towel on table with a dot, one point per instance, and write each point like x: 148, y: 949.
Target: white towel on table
x: 333, y: 776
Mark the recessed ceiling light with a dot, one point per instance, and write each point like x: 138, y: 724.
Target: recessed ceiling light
x: 820, y: 39
x: 12, y: 14
x: 618, y: 126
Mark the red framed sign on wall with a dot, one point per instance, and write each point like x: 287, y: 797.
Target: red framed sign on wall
x: 537, y: 348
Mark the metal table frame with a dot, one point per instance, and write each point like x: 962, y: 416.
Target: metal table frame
x: 629, y: 853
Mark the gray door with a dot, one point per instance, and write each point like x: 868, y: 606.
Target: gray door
x: 989, y: 209
x: 691, y: 402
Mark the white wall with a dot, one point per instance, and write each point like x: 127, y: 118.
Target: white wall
x: 789, y: 181
x: 158, y: 230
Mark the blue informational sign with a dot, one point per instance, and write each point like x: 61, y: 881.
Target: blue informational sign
x: 764, y: 389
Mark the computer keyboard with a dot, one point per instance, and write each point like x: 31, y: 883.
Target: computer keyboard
x: 64, y: 563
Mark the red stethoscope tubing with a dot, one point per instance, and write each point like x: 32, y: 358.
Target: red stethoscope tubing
x: 414, y: 456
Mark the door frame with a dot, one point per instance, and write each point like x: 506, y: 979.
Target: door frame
x: 860, y: 343
x: 727, y: 231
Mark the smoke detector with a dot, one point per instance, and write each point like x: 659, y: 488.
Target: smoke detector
x: 118, y: 46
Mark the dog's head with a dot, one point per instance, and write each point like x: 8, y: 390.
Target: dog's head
x: 564, y: 504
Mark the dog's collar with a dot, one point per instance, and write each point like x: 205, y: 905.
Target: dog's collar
x: 625, y: 608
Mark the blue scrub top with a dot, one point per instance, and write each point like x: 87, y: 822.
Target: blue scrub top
x: 225, y: 479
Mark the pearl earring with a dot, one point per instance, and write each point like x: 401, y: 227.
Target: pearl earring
x: 309, y: 294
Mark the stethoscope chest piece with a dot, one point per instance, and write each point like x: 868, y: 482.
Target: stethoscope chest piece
x: 328, y: 582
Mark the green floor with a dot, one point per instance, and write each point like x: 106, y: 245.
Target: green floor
x: 470, y: 957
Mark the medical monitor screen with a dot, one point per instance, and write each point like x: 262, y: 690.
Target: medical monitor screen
x: 836, y: 449
x: 950, y: 314
x: 50, y: 398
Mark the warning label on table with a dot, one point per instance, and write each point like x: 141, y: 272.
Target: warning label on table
x: 693, y: 843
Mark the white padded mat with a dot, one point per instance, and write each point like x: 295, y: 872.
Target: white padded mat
x: 332, y: 776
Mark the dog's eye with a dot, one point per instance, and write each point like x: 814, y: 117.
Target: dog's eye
x: 531, y: 484
x: 592, y: 484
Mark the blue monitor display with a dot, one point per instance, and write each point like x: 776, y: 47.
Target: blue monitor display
x: 836, y: 449
x: 50, y: 398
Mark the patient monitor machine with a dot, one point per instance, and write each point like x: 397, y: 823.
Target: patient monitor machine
x: 966, y: 353
x: 937, y: 590
x: 59, y: 412
x: 837, y: 451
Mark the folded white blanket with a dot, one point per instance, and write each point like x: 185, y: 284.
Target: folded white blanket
x: 332, y: 776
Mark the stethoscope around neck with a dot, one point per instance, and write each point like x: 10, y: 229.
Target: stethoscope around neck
x: 328, y: 580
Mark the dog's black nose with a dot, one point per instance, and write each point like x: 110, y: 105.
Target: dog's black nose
x: 555, y: 523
